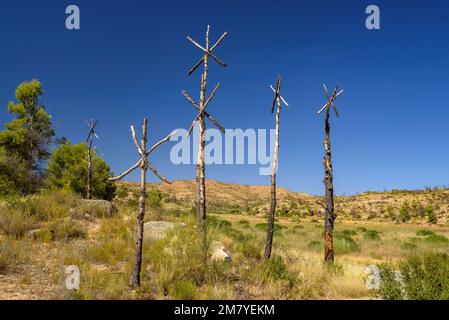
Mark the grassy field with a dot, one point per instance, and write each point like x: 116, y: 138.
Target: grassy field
x: 40, y: 236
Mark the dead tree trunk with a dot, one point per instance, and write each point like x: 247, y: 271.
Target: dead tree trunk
x: 270, y: 233
x: 329, y: 214
x: 144, y: 166
x: 89, y: 169
x: 137, y: 260
x: 329, y: 195
x: 200, y: 191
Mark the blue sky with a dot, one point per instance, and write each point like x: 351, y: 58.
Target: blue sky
x: 130, y: 60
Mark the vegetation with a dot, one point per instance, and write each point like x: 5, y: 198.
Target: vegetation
x: 421, y: 277
x: 67, y: 170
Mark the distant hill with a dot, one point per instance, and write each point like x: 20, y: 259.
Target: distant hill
x: 397, y: 205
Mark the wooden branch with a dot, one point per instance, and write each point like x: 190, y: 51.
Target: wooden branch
x: 211, y: 95
x: 282, y: 98
x: 327, y: 104
x: 219, y: 41
x: 121, y: 176
x: 139, y: 149
x: 196, y: 66
x: 167, y: 138
x: 207, y: 52
x: 155, y: 171
x: 186, y: 95
x: 276, y: 96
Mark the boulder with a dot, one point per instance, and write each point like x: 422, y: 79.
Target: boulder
x: 156, y: 230
x: 219, y: 252
x: 94, y: 208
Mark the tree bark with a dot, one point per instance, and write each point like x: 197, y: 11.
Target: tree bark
x: 137, y: 261
x: 89, y: 168
x: 329, y: 194
x: 270, y: 232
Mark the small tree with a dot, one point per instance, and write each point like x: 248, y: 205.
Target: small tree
x: 28, y: 136
x: 67, y: 169
x: 431, y: 215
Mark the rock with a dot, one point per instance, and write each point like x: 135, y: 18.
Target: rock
x: 219, y: 252
x: 156, y: 230
x: 94, y: 208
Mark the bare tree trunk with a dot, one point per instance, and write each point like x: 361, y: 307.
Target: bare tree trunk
x: 137, y: 262
x: 329, y: 195
x: 270, y: 232
x: 200, y: 167
x: 30, y: 160
x: 89, y: 169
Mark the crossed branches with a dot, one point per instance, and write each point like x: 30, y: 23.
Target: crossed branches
x: 330, y: 100
x: 200, y: 194
x: 143, y: 162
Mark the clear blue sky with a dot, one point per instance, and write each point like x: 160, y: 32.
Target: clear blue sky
x: 130, y: 60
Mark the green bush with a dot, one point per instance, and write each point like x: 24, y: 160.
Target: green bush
x: 371, y: 235
x: 437, y: 239
x: 423, y: 277
x: 244, y: 222
x: 344, y: 244
x: 432, y: 217
x: 67, y: 230
x: 425, y: 233
x: 184, y: 290
x: 275, y: 269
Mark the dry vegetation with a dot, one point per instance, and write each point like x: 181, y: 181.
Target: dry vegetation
x: 32, y: 263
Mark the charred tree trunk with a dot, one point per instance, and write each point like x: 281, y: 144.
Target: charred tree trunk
x: 270, y: 232
x: 89, y: 169
x: 137, y: 261
x: 329, y: 195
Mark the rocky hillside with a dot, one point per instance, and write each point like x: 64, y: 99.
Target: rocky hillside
x: 419, y: 206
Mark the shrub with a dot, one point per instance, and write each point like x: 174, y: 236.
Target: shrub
x: 425, y: 233
x: 14, y: 223
x: 184, y: 290
x: 431, y: 215
x: 404, y: 212
x: 250, y: 249
x: 11, y: 254
x: 275, y: 269
x: 67, y: 230
x: 244, y: 222
x: 314, y: 244
x: 264, y: 227
x: 361, y: 229
x: 372, y: 216
x: 437, y: 239
x: 423, y: 277
x: 344, y: 244
x: 371, y: 235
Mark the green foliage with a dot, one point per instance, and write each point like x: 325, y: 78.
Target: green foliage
x: 423, y: 277
x: 68, y: 170
x: 155, y: 198
x: 424, y: 233
x: 404, y: 212
x: 184, y: 290
x: 275, y: 269
x: 67, y: 230
x: 344, y: 244
x: 432, y: 217
x: 437, y: 239
x: 24, y: 142
x: 264, y: 227
x: 371, y: 235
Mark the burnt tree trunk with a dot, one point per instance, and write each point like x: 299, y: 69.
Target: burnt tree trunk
x: 270, y: 232
x: 89, y: 169
x: 329, y: 195
x: 137, y: 260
